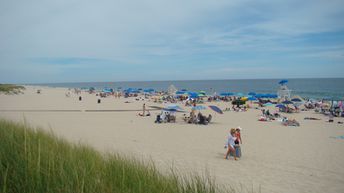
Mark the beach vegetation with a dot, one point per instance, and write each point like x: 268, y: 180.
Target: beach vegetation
x: 11, y: 89
x: 33, y: 160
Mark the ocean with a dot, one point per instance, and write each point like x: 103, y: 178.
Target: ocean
x: 317, y: 88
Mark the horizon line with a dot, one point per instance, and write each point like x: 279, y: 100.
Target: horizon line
x: 118, y: 81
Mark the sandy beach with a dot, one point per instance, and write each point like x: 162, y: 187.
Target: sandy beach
x: 276, y: 158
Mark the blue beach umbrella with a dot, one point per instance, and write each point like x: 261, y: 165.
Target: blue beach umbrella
x: 260, y: 96
x: 296, y: 100
x: 252, y: 98
x: 280, y: 106
x: 193, y: 94
x: 180, y: 92
x: 252, y: 93
x: 174, y: 106
x: 216, y: 109
x: 149, y: 90
x: 287, y: 102
x: 271, y: 96
x: 283, y: 82
x: 199, y: 107
x: 169, y: 110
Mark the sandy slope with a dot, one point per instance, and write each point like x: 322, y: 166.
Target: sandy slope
x: 275, y: 158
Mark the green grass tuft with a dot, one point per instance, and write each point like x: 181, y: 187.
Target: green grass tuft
x: 11, y: 89
x: 32, y: 160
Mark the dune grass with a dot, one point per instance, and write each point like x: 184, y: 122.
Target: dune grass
x: 11, y: 89
x: 32, y: 160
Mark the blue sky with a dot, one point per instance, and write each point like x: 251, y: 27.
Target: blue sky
x: 129, y: 40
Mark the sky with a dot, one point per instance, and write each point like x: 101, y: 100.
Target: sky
x: 52, y: 41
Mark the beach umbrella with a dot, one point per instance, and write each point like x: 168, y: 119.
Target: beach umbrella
x: 193, y: 94
x: 296, y: 100
x: 283, y: 82
x: 280, y: 106
x: 199, y: 107
x: 149, y: 90
x: 252, y: 93
x: 252, y: 98
x: 271, y: 96
x: 239, y: 94
x: 201, y: 95
x: 260, y: 96
x: 169, y: 110
x: 268, y: 104
x: 174, y: 106
x: 184, y: 90
x: 107, y: 90
x: 287, y: 102
x: 216, y: 109
x: 244, y: 98
x: 180, y: 93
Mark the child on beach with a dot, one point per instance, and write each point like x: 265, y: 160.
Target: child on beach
x: 230, y: 144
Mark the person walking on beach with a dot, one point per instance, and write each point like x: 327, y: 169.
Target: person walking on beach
x: 230, y: 144
x: 238, y: 136
x: 144, y: 109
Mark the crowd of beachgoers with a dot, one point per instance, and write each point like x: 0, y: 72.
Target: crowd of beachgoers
x: 289, y: 140
x: 191, y: 104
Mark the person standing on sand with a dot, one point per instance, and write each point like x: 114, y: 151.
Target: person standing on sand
x: 230, y: 144
x: 238, y: 135
x: 144, y: 109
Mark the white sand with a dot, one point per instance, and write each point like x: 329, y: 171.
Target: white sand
x: 275, y: 158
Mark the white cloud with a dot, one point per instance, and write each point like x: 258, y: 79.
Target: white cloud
x: 154, y: 31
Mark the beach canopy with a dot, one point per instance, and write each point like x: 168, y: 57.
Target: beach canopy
x: 216, y: 109
x: 283, y: 82
x: 199, y: 107
x: 252, y: 93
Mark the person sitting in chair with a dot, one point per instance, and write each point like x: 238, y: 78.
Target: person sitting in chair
x: 158, y: 119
